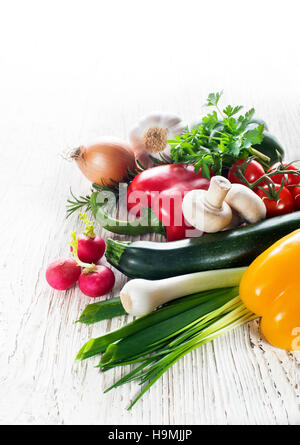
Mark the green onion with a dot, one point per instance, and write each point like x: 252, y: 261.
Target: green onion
x: 216, y: 323
x: 152, y: 335
x: 97, y: 345
x: 141, y: 297
x: 103, y: 310
x: 159, y: 339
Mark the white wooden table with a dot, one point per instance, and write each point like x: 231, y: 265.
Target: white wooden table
x: 71, y: 72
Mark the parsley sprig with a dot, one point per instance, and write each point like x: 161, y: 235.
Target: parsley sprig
x: 221, y: 139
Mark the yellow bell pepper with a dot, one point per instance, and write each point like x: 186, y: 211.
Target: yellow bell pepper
x: 270, y: 288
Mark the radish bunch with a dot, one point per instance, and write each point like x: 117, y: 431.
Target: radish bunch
x: 87, y: 249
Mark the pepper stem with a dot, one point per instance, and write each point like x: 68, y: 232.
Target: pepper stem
x: 147, y: 223
x: 260, y: 155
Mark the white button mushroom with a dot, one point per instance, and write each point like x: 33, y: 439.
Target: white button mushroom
x: 246, y: 203
x: 206, y: 210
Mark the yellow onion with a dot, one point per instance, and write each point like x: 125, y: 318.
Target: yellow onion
x: 105, y: 161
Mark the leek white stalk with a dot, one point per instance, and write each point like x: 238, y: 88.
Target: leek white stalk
x: 140, y: 297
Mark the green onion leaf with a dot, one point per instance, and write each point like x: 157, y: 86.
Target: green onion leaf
x: 103, y: 310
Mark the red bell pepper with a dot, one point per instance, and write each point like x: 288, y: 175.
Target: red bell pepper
x: 154, y: 200
x: 163, y: 189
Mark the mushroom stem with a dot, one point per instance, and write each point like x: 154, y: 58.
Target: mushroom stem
x: 207, y: 210
x: 218, y: 189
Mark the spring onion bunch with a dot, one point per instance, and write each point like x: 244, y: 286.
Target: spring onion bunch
x: 154, y: 342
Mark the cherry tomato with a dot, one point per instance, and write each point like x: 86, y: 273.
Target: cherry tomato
x: 288, y: 179
x: 296, y: 194
x: 284, y: 204
x: 252, y: 173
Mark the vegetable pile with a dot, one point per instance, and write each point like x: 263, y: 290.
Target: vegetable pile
x: 228, y: 204
x: 156, y: 340
x: 224, y: 143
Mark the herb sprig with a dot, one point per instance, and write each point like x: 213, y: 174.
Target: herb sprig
x: 75, y: 203
x: 221, y: 139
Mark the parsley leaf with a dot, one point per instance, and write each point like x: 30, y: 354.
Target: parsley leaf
x: 213, y: 99
x: 230, y: 111
x: 218, y: 141
x: 254, y: 136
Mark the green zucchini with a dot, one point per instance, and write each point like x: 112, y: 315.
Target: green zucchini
x: 232, y: 248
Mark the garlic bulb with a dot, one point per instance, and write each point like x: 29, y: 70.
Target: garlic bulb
x: 151, y: 134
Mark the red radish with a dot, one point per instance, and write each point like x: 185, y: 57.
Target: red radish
x: 93, y: 281
x: 97, y: 282
x: 91, y: 247
x: 90, y: 250
x: 63, y: 273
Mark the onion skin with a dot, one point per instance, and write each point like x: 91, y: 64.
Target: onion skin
x: 105, y: 161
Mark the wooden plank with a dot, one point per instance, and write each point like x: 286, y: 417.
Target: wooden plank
x: 73, y: 90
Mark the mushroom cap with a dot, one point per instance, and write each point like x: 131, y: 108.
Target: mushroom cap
x: 203, y: 216
x: 246, y: 203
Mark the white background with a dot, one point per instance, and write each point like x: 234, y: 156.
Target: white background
x: 71, y: 72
